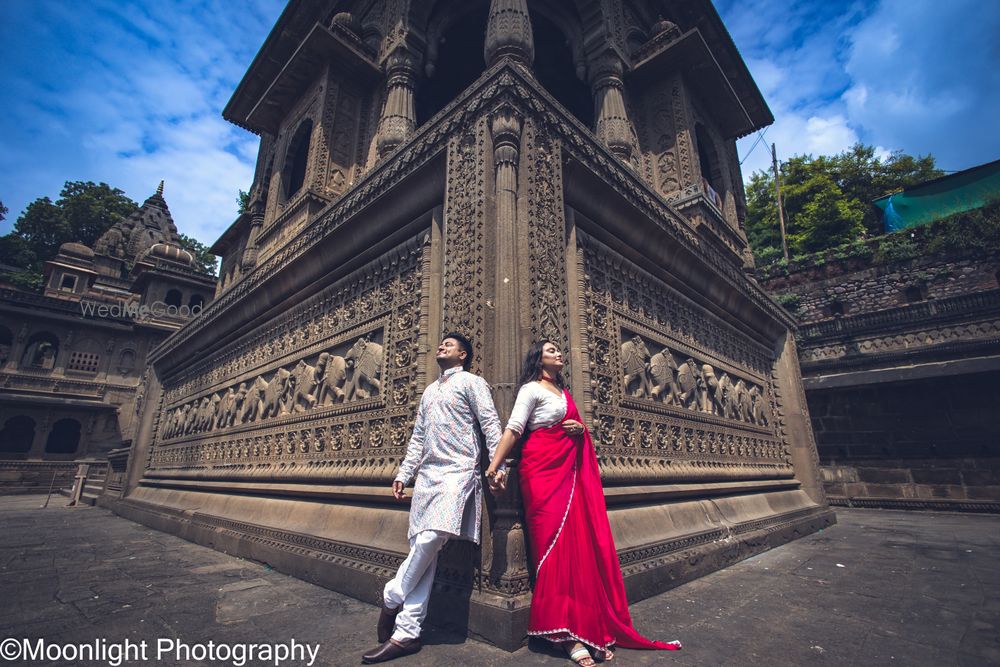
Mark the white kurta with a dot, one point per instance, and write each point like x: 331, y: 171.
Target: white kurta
x: 443, y: 454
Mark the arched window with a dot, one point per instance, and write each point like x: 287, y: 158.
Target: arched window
x: 41, y: 351
x: 64, y: 438
x: 6, y: 343
x: 297, y: 159
x: 913, y: 294
x: 173, y: 298
x: 555, y: 70
x: 126, y: 361
x: 196, y: 301
x: 456, y: 61
x: 17, y: 434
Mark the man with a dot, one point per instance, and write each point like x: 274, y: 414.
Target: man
x: 443, y: 454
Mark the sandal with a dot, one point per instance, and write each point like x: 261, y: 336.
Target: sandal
x: 606, y: 655
x: 579, y: 654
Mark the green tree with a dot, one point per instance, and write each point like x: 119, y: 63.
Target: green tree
x: 827, y: 199
x: 242, y: 201
x: 82, y: 213
x: 203, y: 259
x: 3, y: 212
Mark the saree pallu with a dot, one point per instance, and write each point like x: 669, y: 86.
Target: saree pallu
x: 579, y: 593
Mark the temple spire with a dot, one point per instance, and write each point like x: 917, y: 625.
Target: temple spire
x: 508, y: 33
x: 159, y: 189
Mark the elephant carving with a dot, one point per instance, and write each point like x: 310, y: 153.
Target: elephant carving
x: 364, y: 369
x: 223, y: 417
x: 274, y: 394
x: 332, y: 370
x: 712, y: 397
x: 688, y: 378
x: 252, y: 404
x: 663, y: 376
x: 635, y: 360
x: 302, y: 393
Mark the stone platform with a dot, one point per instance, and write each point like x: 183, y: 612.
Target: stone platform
x: 880, y: 587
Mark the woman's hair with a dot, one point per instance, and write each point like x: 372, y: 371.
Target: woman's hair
x: 531, y: 370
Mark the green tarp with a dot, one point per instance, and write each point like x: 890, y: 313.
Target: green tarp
x: 933, y: 200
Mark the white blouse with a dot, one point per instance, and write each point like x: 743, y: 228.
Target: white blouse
x: 536, y: 407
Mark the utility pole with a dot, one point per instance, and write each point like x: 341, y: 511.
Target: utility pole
x: 781, y: 210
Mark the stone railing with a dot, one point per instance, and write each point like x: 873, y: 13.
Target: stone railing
x: 946, y: 308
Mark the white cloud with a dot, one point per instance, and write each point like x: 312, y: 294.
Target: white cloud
x: 129, y: 94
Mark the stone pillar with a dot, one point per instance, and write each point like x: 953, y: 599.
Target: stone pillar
x: 613, y: 125
x: 249, y: 259
x: 508, y: 33
x: 505, y: 127
x: 399, y: 119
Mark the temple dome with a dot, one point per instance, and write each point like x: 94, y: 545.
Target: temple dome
x: 169, y: 252
x: 76, y: 250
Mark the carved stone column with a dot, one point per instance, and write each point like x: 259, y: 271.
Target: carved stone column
x: 613, y: 125
x: 508, y: 567
x: 399, y: 118
x: 505, y: 127
x: 508, y: 33
x: 249, y: 259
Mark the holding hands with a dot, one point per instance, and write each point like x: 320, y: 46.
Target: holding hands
x: 497, y: 480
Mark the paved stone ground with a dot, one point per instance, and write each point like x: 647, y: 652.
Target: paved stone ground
x: 880, y: 588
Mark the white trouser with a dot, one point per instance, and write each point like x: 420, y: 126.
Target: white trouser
x: 411, y: 587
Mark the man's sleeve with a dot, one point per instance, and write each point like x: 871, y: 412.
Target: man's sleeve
x: 481, y: 401
x: 415, y: 448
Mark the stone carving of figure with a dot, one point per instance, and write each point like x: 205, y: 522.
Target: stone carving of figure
x: 303, y: 393
x: 722, y: 396
x: 741, y: 402
x: 236, y: 409
x: 273, y: 400
x: 712, y: 398
x: 758, y: 415
x: 189, y: 415
x: 252, y: 406
x: 224, y: 411
x: 333, y: 378
x: 364, y: 369
x: 635, y: 360
x: 688, y: 378
x: 663, y: 377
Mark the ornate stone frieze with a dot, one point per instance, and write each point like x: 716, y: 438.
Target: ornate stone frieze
x: 909, y: 341
x: 314, y: 392
x: 677, y: 393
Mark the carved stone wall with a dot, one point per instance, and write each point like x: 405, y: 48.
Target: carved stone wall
x: 677, y: 393
x: 466, y: 271
x: 325, y: 391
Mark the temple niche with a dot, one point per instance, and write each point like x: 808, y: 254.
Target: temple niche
x: 510, y: 170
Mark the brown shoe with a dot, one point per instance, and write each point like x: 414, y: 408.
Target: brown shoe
x: 391, y: 650
x: 386, y: 622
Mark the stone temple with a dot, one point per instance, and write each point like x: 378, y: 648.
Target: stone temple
x: 511, y: 170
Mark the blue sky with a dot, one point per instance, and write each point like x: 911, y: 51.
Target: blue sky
x: 131, y: 92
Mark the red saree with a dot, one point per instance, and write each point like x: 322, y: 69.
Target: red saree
x: 579, y: 593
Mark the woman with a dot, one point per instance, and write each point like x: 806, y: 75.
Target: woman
x: 579, y: 597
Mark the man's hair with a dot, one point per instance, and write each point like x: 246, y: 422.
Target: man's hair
x: 463, y: 343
